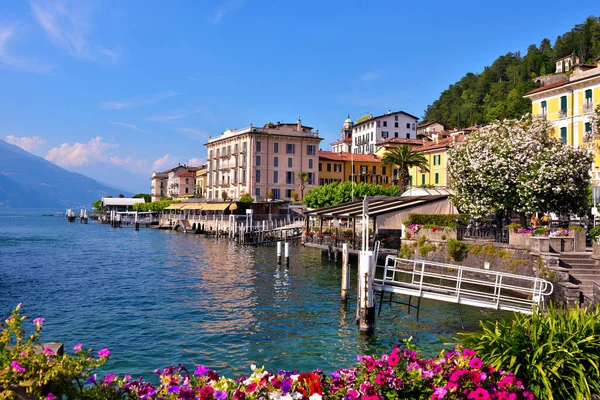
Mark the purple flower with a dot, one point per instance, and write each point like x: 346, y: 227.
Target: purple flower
x: 173, y: 389
x: 439, y: 393
x: 77, y: 347
x: 91, y: 379
x: 286, y: 385
x: 220, y: 395
x: 108, y: 378
x: 50, y: 396
x: 17, y: 366
x: 104, y: 353
x: 201, y: 370
x: 38, y: 322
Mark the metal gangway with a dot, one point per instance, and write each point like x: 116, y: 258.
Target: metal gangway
x: 461, y: 285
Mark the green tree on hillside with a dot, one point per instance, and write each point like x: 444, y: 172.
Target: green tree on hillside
x: 147, y: 198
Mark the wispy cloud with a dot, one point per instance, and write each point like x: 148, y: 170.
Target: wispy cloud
x: 113, y: 55
x: 174, y: 116
x: 225, y: 8
x: 126, y: 125
x: 164, y: 160
x: 194, y: 132
x: 191, y: 78
x: 26, y: 143
x: 65, y: 24
x: 195, y: 162
x: 118, y: 105
x: 371, y: 76
x: 18, y: 63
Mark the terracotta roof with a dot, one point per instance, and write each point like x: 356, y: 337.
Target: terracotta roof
x: 416, y: 142
x: 441, y: 144
x: 546, y: 87
x: 187, y: 173
x: 426, y: 124
x: 334, y: 156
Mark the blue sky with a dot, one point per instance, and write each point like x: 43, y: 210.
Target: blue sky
x: 116, y: 89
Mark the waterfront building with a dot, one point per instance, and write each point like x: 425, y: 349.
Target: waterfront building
x: 348, y: 167
x: 437, y: 159
x: 120, y: 204
x: 369, y: 131
x: 201, y: 174
x: 426, y: 129
x: 257, y: 160
x: 165, y: 184
x: 568, y: 104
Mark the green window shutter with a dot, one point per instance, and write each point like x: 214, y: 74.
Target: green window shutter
x: 563, y: 135
x: 563, y: 103
x: 423, y: 179
x: 544, y: 104
x: 588, y: 94
x: 588, y: 127
x: 437, y: 178
x: 410, y: 180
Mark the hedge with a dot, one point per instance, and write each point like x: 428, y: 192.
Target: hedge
x: 448, y: 220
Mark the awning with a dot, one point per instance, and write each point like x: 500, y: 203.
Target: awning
x: 175, y: 206
x: 193, y: 206
x: 216, y: 206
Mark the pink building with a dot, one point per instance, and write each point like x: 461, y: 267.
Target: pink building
x: 168, y: 184
x: 254, y: 161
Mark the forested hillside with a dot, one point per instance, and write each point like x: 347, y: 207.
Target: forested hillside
x: 497, y: 91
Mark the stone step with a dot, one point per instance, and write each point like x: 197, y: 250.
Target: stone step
x: 574, y: 255
x: 593, y: 267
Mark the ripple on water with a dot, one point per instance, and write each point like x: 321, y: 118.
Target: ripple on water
x: 156, y: 298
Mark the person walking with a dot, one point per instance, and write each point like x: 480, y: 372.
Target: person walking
x: 545, y: 220
x: 534, y: 221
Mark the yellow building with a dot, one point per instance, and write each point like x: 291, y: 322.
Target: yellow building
x: 200, y: 190
x: 568, y: 104
x: 436, y: 153
x: 343, y: 167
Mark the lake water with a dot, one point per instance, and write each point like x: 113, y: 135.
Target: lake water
x: 155, y: 298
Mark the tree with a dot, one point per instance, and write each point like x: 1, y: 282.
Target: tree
x: 294, y: 195
x: 405, y: 157
x: 518, y: 166
x: 224, y: 195
x: 270, y: 194
x: 246, y: 199
x: 147, y: 198
x: 336, y: 193
x: 303, y: 178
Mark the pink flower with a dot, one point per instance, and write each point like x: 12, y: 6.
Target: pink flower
x: 393, y: 358
x: 77, y: 347
x: 49, y: 352
x: 38, y: 322
x: 439, y: 393
x: 479, y: 394
x: 469, y: 353
x: 17, y: 366
x: 251, y: 387
x: 104, y: 353
x: 23, y: 355
x: 50, y: 396
x: 476, y: 363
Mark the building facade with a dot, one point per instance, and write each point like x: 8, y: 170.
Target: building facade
x: 255, y: 161
x: 569, y: 104
x: 428, y: 128
x: 436, y: 153
x: 344, y: 145
x: 371, y: 131
x: 200, y: 190
x: 348, y: 167
x: 166, y: 184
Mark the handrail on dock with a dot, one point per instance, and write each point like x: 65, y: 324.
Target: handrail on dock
x: 463, y: 285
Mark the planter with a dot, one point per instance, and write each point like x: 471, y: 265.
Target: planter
x: 521, y: 240
x: 540, y: 244
x: 435, y: 236
x: 579, y: 245
x: 596, y: 250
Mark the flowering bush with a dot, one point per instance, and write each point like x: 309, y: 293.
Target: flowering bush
x: 559, y: 233
x: 415, y: 227
x: 523, y: 230
x: 310, y: 234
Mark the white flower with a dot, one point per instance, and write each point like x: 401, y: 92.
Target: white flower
x: 315, y: 396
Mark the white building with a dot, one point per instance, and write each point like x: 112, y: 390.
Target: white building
x: 370, y: 132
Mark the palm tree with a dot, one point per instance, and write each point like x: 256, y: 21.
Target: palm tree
x: 303, y: 178
x: 405, y: 157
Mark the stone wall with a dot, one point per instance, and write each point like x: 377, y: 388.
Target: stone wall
x: 596, y: 295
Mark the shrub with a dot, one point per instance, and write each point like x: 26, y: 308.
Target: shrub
x: 443, y: 237
x: 457, y: 249
x: 556, y: 354
x: 575, y: 228
x: 448, y: 220
x: 513, y: 226
x: 595, y: 232
x: 405, y: 251
x: 541, y: 231
x: 154, y: 206
x: 246, y: 199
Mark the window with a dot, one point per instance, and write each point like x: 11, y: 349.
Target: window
x: 244, y: 146
x: 374, y: 169
x: 395, y: 118
x: 395, y: 124
x: 384, y: 123
x: 437, y: 178
x: 288, y: 193
x: 588, y: 127
x: 310, y: 163
x: 258, y: 146
x: 290, y: 162
x: 276, y: 194
x: 408, y: 125
x: 275, y: 147
x: 320, y: 167
x: 290, y: 148
x: 383, y: 170
x: 436, y: 160
x: 563, y: 135
x: 395, y: 134
x: 289, y: 177
x: 258, y: 176
x: 408, y: 135
x: 413, y: 126
x: 337, y: 167
x: 275, y: 176
x: 310, y: 149
x: 371, y: 136
x: 258, y: 161
x: 257, y: 192
x: 423, y: 179
x: 236, y: 148
x: 328, y: 167
x: 311, y: 178
x: 378, y: 123
x: 588, y: 105
x: 563, y: 107
x: 276, y: 161
x: 186, y: 190
x: 187, y: 181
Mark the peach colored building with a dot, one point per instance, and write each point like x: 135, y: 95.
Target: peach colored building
x: 166, y: 184
x: 255, y: 161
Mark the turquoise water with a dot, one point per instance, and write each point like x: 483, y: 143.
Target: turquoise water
x: 155, y: 298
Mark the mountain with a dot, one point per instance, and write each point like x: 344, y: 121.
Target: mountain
x: 29, y: 181
x: 497, y: 92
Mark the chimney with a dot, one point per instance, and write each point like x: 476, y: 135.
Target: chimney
x: 250, y: 126
x: 389, y: 111
x: 299, y: 125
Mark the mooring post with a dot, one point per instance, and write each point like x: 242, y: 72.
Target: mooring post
x: 287, y: 254
x: 365, y: 291
x: 278, y: 253
x: 345, y: 274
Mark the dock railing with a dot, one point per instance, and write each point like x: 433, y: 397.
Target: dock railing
x: 463, y: 285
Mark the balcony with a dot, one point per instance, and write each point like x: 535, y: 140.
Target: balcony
x: 588, y: 108
x: 244, y: 150
x: 562, y: 114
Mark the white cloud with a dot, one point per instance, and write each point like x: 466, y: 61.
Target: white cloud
x: 126, y: 125
x: 226, y: 8
x: 118, y: 105
x: 195, y: 162
x: 371, y: 76
x: 18, y: 63
x: 191, y: 78
x: 197, y: 133
x: 114, y: 55
x: 65, y: 24
x: 79, y: 154
x: 159, y: 163
x: 26, y: 143
x: 175, y: 115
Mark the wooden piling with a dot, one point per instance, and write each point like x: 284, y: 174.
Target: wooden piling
x: 366, y: 314
x: 345, y: 274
